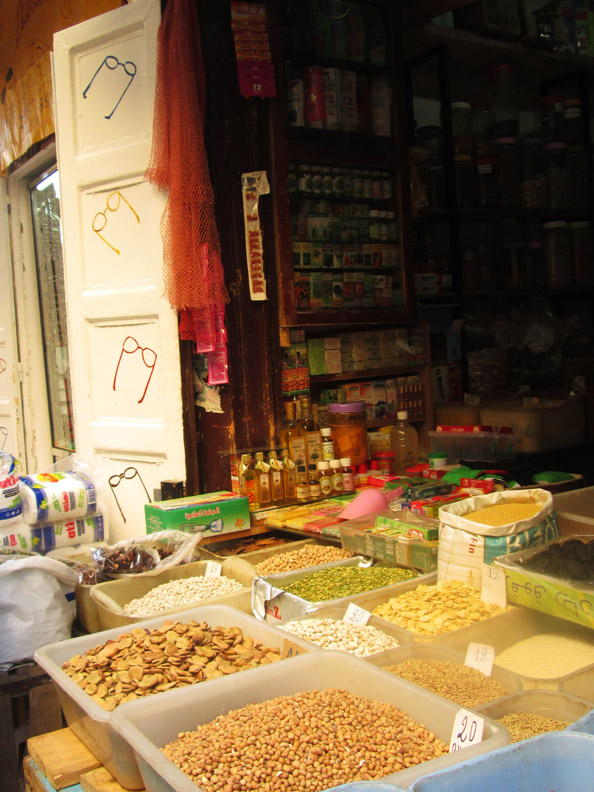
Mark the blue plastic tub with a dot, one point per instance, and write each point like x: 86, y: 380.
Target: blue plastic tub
x: 367, y: 786
x: 560, y: 761
x: 584, y: 724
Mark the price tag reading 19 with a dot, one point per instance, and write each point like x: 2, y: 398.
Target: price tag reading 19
x: 481, y: 657
x: 493, y: 585
x: 467, y: 730
x: 356, y: 615
x: 213, y: 569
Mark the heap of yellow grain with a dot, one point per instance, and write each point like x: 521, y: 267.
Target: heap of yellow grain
x: 505, y: 513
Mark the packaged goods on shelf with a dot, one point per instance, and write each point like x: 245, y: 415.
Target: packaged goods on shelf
x: 210, y: 514
x: 465, y: 545
x: 483, y: 442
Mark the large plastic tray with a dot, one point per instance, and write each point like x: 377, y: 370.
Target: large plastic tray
x: 256, y: 556
x: 575, y: 511
x: 92, y: 724
x: 515, y: 625
x: 422, y: 651
x: 372, y: 599
x: 111, y: 596
x: 560, y: 761
x: 550, y: 703
x: 150, y: 725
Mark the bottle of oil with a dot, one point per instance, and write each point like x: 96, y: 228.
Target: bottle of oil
x: 302, y: 488
x: 407, y: 443
x: 336, y: 471
x: 325, y: 478
x: 289, y: 478
x: 276, y: 478
x: 311, y: 431
x: 248, y: 480
x: 348, y: 477
x: 291, y: 436
x: 315, y: 488
x: 262, y: 474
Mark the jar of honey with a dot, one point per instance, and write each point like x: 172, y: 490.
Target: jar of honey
x: 349, y: 430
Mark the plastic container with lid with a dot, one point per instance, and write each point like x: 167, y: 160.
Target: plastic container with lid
x: 464, y: 179
x: 406, y: 444
x: 558, y: 186
x: 503, y: 98
x: 577, y: 170
x: 486, y: 179
x: 557, y: 254
x: 533, y: 187
x: 508, y: 161
x: 462, y: 127
x: 386, y: 461
x: 583, y: 254
x: 483, y: 130
x: 552, y: 120
x: 348, y: 422
x: 573, y: 121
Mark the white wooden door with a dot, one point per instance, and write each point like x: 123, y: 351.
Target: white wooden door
x: 123, y: 337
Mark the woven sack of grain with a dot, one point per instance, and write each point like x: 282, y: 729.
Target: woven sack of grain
x: 474, y: 531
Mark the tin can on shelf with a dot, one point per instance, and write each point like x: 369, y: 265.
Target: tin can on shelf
x: 315, y: 113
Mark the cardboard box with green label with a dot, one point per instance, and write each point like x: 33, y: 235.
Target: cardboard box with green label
x: 211, y: 514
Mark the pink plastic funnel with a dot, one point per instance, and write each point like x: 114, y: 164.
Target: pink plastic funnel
x: 369, y: 501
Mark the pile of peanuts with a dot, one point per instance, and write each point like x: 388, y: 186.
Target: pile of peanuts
x: 434, y: 610
x: 180, y: 594
x: 358, y: 639
x: 308, y: 741
x: 146, y: 661
x: 457, y: 682
x: 306, y: 556
x: 523, y: 725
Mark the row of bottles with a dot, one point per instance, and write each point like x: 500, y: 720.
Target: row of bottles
x: 301, y: 437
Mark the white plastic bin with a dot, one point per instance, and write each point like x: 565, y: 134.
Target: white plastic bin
x: 92, y: 724
x: 149, y: 725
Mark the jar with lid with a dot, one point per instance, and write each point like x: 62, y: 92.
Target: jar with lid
x: 503, y: 98
x: 508, y: 160
x: 558, y: 185
x: 551, y: 118
x: 533, y: 188
x: 535, y: 268
x: 583, y: 254
x: 577, y: 171
x: 462, y: 127
x: 348, y: 422
x: 486, y: 179
x: 557, y: 254
x: 573, y: 121
x: 464, y: 179
x: 483, y: 130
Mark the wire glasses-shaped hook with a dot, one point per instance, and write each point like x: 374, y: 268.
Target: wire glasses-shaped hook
x: 129, y: 473
x: 4, y: 434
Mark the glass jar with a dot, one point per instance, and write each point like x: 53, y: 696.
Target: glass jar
x: 508, y: 159
x: 577, y: 173
x: 552, y: 121
x: 583, y: 254
x: 558, y: 185
x: 574, y: 124
x: 533, y: 188
x: 535, y: 268
x: 557, y: 254
x: 462, y: 127
x: 464, y: 179
x: 348, y: 422
x: 487, y: 181
x: 503, y: 98
x: 483, y: 130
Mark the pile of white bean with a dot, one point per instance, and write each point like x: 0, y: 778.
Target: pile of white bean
x: 358, y: 639
x: 180, y: 594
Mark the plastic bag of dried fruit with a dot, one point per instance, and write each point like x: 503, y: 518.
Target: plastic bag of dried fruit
x: 474, y: 531
x: 146, y: 555
x: 37, y: 604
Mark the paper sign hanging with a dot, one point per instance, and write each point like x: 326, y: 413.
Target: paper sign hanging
x: 252, y: 50
x: 253, y: 185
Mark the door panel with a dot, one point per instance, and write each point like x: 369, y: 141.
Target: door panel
x: 123, y: 333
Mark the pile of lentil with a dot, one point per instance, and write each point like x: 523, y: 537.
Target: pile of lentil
x: 505, y: 513
x: 523, y: 725
x: 457, y: 682
x: 303, y: 557
x: 308, y: 741
x: 362, y: 640
x: 181, y: 593
x: 176, y: 654
x: 337, y: 582
x: 547, y: 655
x: 438, y: 609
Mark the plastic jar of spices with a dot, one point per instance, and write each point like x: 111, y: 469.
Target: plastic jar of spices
x: 552, y: 118
x: 558, y: 254
x: 503, y: 98
x: 583, y: 254
x: 483, y: 130
x: 574, y: 124
x: 462, y: 127
x: 464, y: 179
x: 348, y: 422
x: 508, y: 157
x: 533, y: 187
x: 486, y: 179
x: 558, y: 186
x: 577, y: 173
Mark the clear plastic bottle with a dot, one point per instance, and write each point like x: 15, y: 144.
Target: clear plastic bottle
x: 407, y: 444
x: 325, y: 478
x: 348, y: 477
x: 337, y: 484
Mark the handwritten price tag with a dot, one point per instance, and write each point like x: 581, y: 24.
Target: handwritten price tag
x: 493, y: 586
x: 213, y: 569
x: 481, y: 657
x: 356, y: 615
x: 467, y: 730
x: 291, y: 649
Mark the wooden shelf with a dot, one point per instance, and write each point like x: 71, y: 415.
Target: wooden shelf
x: 391, y: 371
x: 424, y: 10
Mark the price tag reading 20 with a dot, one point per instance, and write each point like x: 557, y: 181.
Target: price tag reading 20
x: 467, y: 730
x: 356, y: 615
